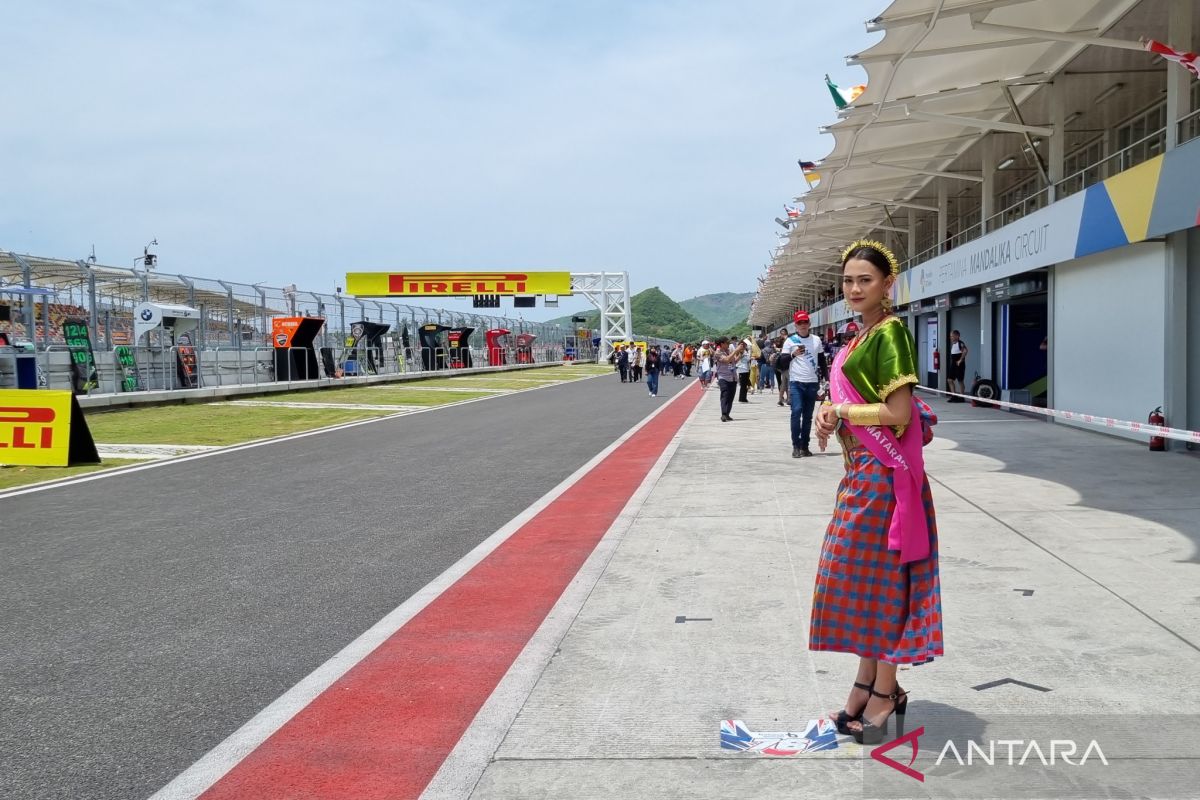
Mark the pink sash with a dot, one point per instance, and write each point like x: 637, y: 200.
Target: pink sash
x: 909, y: 529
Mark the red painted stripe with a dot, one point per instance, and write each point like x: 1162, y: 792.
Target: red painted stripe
x: 384, y: 728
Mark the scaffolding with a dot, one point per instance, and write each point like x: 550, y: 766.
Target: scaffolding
x: 609, y: 293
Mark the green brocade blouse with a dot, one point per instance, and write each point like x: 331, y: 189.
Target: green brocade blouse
x: 883, y: 361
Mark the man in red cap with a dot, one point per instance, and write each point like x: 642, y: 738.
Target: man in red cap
x: 805, y: 370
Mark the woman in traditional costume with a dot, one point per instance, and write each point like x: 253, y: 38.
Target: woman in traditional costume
x: 877, y: 591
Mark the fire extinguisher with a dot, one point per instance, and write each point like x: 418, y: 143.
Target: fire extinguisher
x: 1158, y: 444
x: 937, y: 360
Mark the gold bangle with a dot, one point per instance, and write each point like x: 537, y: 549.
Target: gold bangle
x: 865, y: 414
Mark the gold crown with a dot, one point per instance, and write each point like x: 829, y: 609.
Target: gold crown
x: 874, y: 245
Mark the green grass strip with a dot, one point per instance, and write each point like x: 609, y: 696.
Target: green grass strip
x: 213, y: 424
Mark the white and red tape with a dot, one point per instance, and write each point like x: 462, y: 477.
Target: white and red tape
x: 1141, y: 428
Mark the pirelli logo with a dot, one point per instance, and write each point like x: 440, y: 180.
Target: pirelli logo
x: 43, y: 428
x: 456, y: 284
x: 26, y: 428
x: 424, y: 283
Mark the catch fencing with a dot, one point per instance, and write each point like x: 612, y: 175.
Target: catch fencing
x: 42, y: 300
x: 155, y: 369
x: 232, y: 314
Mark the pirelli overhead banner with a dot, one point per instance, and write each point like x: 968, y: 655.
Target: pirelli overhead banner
x: 455, y: 284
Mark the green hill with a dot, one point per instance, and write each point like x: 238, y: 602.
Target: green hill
x: 655, y: 314
x: 721, y: 311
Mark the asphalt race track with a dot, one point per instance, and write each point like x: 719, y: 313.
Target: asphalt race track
x: 148, y: 615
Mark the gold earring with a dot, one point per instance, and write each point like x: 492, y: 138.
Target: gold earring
x: 887, y: 305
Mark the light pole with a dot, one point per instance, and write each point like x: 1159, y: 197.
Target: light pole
x: 149, y: 260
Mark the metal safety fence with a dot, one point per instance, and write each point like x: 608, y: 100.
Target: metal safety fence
x: 76, y: 318
x: 149, y: 368
x: 39, y: 295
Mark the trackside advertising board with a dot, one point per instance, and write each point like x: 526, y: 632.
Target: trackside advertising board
x: 43, y: 428
x: 455, y: 284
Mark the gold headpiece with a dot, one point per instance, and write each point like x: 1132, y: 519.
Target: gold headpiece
x: 874, y: 245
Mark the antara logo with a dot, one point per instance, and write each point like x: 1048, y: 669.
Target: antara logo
x: 908, y: 738
x: 465, y: 283
x: 1013, y: 752
x: 1061, y: 749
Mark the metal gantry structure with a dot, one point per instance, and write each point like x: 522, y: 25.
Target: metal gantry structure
x: 609, y: 293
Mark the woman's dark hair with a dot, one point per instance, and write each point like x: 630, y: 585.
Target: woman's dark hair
x: 877, y: 259
x: 722, y: 340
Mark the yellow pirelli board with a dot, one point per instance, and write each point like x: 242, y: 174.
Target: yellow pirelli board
x: 455, y: 284
x: 43, y: 428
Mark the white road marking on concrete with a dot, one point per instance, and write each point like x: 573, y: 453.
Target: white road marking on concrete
x: 150, y: 451
x: 211, y: 767
x: 112, y: 473
x: 169, y: 449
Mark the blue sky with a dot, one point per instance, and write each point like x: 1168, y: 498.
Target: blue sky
x: 291, y: 142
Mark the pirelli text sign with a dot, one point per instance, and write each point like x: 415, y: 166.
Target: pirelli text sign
x: 43, y: 428
x: 455, y: 284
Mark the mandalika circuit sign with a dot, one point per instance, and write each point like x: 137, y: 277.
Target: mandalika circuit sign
x: 456, y: 284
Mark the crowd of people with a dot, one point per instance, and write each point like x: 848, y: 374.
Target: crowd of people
x: 792, y: 369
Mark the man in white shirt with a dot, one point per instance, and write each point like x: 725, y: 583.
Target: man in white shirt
x: 957, y: 372
x: 805, y: 371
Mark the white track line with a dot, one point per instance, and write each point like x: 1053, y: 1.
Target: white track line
x: 211, y: 767
x: 112, y: 473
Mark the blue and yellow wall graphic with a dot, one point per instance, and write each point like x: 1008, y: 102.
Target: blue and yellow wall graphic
x: 1156, y: 197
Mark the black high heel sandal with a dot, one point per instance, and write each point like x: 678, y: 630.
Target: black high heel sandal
x: 872, y: 733
x: 844, y: 717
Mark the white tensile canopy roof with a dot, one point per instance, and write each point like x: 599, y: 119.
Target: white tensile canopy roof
x: 939, y: 62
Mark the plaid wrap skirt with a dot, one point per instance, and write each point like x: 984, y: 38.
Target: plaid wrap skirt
x: 865, y: 601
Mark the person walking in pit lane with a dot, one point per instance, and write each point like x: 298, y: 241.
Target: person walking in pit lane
x: 766, y: 372
x: 726, y: 358
x: 781, y: 371
x: 623, y: 363
x: 676, y: 362
x: 637, y: 360
x: 956, y: 372
x: 705, y: 356
x: 744, y: 366
x: 805, y: 372
x: 653, y: 361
